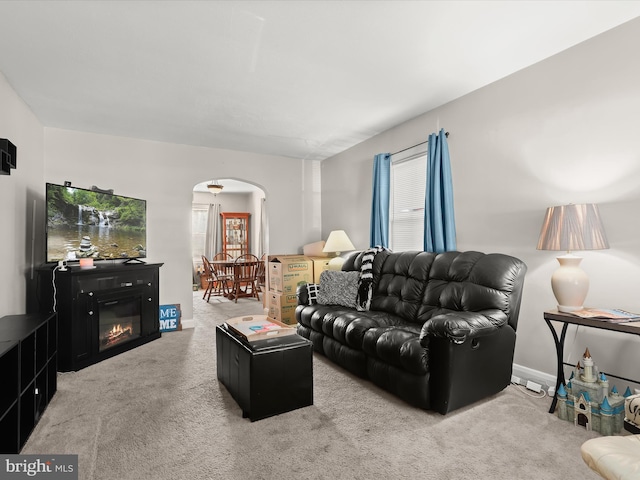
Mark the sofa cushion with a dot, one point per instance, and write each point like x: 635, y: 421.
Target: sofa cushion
x: 342, y: 323
x: 338, y: 288
x: 399, y: 282
x: 397, y: 346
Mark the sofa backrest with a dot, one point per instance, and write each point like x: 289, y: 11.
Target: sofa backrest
x: 419, y: 285
x: 399, y: 282
x: 474, y: 282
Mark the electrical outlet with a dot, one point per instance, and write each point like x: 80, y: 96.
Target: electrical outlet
x: 534, y: 387
x: 516, y: 380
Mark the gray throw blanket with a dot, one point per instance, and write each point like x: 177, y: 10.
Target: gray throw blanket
x: 365, y: 284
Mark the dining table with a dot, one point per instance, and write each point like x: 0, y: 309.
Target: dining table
x: 234, y: 268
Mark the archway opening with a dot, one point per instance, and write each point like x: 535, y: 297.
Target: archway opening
x: 233, y: 220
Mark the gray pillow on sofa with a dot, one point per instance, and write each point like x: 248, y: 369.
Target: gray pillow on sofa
x: 338, y: 288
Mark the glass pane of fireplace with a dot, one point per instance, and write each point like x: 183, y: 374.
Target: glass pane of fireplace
x: 118, y: 321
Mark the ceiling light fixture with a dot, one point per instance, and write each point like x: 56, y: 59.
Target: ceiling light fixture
x: 215, y: 187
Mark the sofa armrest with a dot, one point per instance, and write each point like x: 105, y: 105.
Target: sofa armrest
x: 458, y: 326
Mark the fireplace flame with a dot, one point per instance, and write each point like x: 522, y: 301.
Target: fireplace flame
x: 118, y: 333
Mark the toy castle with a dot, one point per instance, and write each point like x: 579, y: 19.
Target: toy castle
x: 587, y: 401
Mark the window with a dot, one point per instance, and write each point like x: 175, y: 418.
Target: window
x: 199, y: 215
x: 408, y: 185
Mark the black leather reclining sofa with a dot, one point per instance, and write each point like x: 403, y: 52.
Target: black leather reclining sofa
x: 440, y: 331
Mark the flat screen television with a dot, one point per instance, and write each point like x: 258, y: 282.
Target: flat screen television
x: 85, y: 223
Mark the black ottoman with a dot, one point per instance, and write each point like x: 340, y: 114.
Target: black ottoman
x: 266, y: 377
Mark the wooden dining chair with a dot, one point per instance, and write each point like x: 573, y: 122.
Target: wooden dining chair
x: 261, y: 274
x: 224, y: 273
x: 245, y: 277
x: 209, y: 278
x: 219, y: 281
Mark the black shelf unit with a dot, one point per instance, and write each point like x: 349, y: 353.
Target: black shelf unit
x: 28, y: 366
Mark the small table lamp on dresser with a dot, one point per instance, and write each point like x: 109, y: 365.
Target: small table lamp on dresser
x: 337, y: 243
x: 570, y: 228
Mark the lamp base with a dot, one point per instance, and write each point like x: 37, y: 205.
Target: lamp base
x: 335, y: 263
x: 569, y: 308
x: 570, y: 283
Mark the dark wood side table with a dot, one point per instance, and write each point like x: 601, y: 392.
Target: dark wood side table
x: 266, y: 377
x: 568, y: 319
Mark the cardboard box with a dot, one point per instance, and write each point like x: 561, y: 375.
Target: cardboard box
x: 320, y: 264
x: 258, y: 327
x: 287, y: 272
x: 282, y: 307
x: 314, y: 249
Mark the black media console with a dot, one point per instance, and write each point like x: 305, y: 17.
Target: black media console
x: 102, y: 311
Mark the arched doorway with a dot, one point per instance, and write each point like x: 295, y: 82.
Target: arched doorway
x: 206, y: 228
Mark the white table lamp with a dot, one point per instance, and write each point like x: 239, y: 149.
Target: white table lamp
x: 569, y: 228
x: 337, y: 243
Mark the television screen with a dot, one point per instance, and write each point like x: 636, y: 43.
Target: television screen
x: 90, y: 224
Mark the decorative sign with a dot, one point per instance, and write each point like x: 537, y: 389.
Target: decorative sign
x: 170, y: 318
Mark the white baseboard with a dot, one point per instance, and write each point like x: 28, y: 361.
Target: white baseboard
x: 189, y: 323
x: 529, y: 374
x: 546, y: 380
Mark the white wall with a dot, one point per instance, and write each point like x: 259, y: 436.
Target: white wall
x: 562, y: 131
x: 21, y: 197
x: 229, y: 202
x: 164, y: 175
x: 256, y: 201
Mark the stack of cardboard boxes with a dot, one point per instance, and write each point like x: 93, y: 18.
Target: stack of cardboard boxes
x: 285, y: 274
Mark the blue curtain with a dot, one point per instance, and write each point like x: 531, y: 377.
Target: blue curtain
x: 439, y: 219
x: 380, y: 203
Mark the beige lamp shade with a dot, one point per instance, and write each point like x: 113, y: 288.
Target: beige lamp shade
x: 569, y: 228
x: 573, y: 227
x: 337, y: 243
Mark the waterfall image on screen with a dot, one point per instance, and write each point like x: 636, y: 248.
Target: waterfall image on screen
x: 90, y: 224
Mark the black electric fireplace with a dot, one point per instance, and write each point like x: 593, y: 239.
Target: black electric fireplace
x: 102, y: 311
x: 119, y: 320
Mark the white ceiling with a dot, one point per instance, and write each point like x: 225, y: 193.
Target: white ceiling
x: 303, y: 79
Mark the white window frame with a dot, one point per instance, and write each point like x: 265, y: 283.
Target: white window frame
x: 407, y: 196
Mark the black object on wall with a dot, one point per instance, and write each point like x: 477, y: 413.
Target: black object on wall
x: 8, y: 154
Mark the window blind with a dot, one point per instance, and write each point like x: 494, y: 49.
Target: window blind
x: 408, y: 184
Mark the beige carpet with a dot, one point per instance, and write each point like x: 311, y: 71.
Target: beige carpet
x: 158, y: 412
